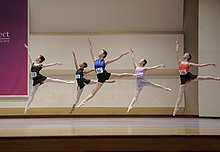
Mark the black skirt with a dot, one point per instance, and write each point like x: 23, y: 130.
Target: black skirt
x: 82, y: 81
x: 186, y: 78
x: 103, y: 76
x: 39, y: 79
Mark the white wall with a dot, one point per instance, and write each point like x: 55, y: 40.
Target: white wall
x: 209, y: 51
x: 155, y: 48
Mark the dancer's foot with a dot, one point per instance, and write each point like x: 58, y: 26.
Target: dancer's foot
x: 110, y: 81
x: 167, y: 89
x: 129, y: 108
x: 73, y: 108
x: 175, y: 111
x: 81, y: 104
x: 26, y: 109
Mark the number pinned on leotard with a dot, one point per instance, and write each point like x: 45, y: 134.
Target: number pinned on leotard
x: 77, y: 76
x: 182, y: 72
x: 33, y: 74
x: 99, y: 70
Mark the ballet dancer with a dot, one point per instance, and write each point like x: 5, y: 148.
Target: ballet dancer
x: 39, y: 79
x: 102, y: 74
x: 141, y: 81
x: 185, y: 76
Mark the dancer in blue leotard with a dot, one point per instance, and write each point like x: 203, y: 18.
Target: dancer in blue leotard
x: 102, y: 74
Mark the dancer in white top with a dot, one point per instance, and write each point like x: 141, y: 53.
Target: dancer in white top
x: 141, y: 81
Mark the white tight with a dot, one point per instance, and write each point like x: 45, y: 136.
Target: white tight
x: 79, y: 91
x: 183, y: 87
x: 138, y: 90
x: 35, y: 88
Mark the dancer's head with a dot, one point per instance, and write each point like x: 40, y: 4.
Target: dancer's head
x: 142, y: 62
x: 103, y: 53
x: 83, y: 65
x: 187, y: 56
x: 40, y: 59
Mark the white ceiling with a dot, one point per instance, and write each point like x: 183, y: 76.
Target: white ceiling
x: 106, y: 15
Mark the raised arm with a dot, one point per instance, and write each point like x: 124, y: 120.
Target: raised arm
x: 75, y: 61
x: 154, y: 67
x: 51, y: 64
x: 91, y: 50
x: 117, y: 58
x: 177, y: 51
x: 201, y: 65
x: 133, y: 58
x: 29, y: 54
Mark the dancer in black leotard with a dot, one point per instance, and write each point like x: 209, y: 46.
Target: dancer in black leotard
x: 37, y: 78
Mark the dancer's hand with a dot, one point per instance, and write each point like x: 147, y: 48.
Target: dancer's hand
x: 177, y: 40
x: 132, y: 51
x: 59, y: 63
x: 161, y: 65
x: 212, y: 64
x: 26, y: 46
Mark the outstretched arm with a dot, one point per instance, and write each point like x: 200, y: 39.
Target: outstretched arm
x: 75, y: 61
x: 133, y: 58
x: 177, y: 51
x: 91, y: 50
x: 29, y: 54
x: 154, y: 67
x: 86, y: 72
x: 51, y: 64
x: 117, y: 58
x: 202, y: 65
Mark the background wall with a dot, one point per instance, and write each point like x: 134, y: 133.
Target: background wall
x: 209, y: 44
x: 149, y: 26
x: 155, y: 48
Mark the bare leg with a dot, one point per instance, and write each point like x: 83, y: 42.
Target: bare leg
x: 179, y: 97
x: 92, y: 94
x: 137, y: 93
x: 31, y: 97
x: 207, y: 78
x: 58, y: 81
x: 159, y: 86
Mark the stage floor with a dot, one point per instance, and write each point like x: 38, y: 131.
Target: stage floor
x: 108, y: 126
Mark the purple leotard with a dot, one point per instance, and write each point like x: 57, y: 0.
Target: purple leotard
x: 141, y: 80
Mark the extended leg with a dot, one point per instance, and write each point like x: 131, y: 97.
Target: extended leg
x: 79, y: 92
x: 58, y: 81
x: 159, y: 86
x: 31, y: 97
x: 92, y: 94
x: 137, y: 93
x: 179, y: 98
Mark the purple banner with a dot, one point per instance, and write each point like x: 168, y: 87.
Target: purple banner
x: 13, y: 55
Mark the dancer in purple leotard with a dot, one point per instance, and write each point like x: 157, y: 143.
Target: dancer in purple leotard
x: 141, y: 80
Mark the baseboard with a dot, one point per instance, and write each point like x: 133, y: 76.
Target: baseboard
x: 92, y: 111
